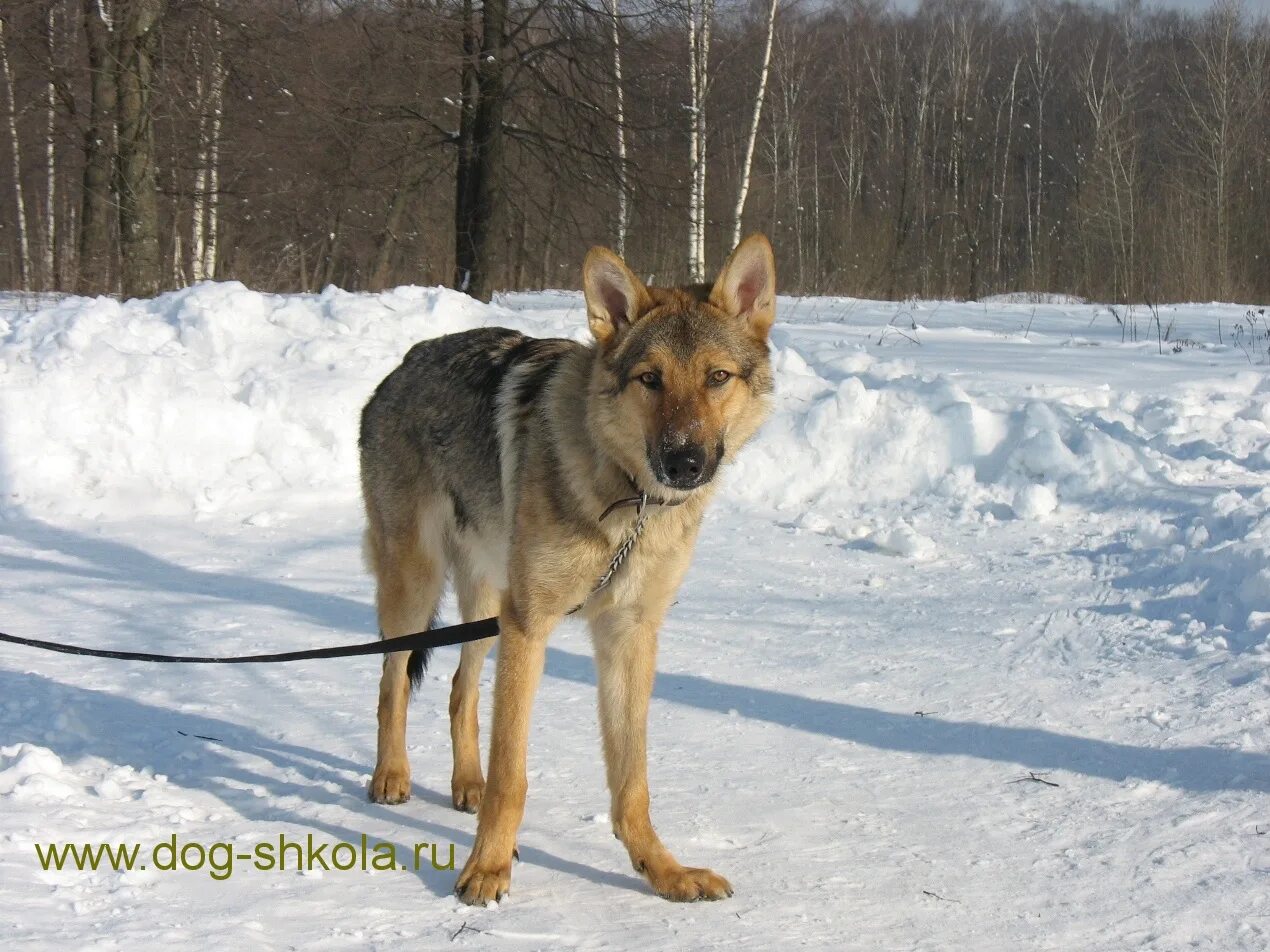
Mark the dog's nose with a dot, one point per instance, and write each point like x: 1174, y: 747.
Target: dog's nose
x: 684, y: 468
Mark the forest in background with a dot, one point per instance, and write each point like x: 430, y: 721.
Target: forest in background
x: 958, y: 149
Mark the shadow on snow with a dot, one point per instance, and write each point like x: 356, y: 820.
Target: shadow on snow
x: 124, y: 730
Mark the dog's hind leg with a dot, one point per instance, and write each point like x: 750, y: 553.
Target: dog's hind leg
x: 409, y: 565
x: 477, y: 600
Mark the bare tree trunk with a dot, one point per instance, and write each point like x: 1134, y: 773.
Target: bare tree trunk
x: 748, y: 161
x: 24, y: 239
x: 696, y: 270
x: 487, y: 144
x: 465, y: 177
x: 1003, y: 182
x: 210, y: 91
x: 138, y: 32
x: 211, y: 242
x: 700, y: 15
x: 50, y: 154
x: 330, y: 261
x: 703, y: 61
x: 1219, y: 112
x: 414, y: 169
x: 1042, y: 71
x: 623, y: 198
x: 99, y: 148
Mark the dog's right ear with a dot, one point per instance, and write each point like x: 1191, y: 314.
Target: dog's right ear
x: 615, y: 298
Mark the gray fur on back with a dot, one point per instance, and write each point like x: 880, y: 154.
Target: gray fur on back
x: 433, y: 421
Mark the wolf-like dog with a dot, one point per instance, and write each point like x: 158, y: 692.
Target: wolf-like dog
x: 495, y: 459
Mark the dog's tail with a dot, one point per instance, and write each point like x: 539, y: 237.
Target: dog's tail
x: 417, y: 664
x: 419, y: 659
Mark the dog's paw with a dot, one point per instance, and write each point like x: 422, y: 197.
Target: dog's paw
x: 481, y: 884
x: 467, y: 793
x: 390, y: 784
x: 685, y: 884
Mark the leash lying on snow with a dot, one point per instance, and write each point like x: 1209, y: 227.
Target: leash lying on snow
x: 435, y: 638
x: 419, y: 641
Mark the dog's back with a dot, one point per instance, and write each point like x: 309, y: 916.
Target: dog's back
x: 429, y: 434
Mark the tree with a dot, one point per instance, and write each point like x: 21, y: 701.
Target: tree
x: 24, y: 238
x: 136, y: 178
x: 96, y: 246
x: 747, y: 162
x: 700, y: 20
x: 623, y: 186
x: 210, y: 80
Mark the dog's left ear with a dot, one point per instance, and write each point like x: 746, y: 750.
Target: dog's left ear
x: 615, y: 298
x: 746, y: 287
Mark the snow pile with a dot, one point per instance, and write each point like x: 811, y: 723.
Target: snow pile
x: 1209, y: 571
x: 220, y: 399
x: 203, y: 398
x: 27, y: 771
x: 859, y: 431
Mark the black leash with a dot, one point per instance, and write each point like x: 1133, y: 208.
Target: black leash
x: 420, y: 640
x: 435, y: 638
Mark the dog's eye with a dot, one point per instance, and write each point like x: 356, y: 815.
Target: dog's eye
x: 719, y: 377
x: 650, y: 380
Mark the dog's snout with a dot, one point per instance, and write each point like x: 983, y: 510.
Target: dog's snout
x: 684, y: 468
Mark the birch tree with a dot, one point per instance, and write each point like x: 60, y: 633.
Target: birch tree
x: 1220, y: 101
x: 1001, y: 182
x: 623, y: 198
x: 1110, y: 190
x: 700, y: 19
x: 210, y: 80
x: 747, y: 160
x: 50, y: 255
x: 1042, y: 70
x: 24, y: 239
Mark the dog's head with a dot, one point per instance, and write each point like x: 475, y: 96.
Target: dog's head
x: 683, y: 376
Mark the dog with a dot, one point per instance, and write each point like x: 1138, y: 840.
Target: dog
x: 495, y: 459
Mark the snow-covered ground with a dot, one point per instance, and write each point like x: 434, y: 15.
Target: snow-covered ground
x: 977, y: 547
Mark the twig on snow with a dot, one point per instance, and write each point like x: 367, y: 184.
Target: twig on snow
x: 465, y: 928
x: 1035, y: 778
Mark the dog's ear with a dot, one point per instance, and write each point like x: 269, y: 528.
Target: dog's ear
x: 615, y: 298
x: 746, y: 287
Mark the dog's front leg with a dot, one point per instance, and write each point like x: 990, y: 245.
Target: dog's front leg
x: 625, y: 655
x: 522, y: 649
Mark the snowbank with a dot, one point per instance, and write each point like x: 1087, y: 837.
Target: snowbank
x: 220, y: 399
x: 203, y: 398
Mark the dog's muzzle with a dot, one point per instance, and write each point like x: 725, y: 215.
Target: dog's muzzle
x: 684, y: 467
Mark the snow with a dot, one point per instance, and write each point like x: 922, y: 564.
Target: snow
x: 977, y: 547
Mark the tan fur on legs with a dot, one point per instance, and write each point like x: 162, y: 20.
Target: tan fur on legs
x: 625, y: 657
x: 391, y: 781
x: 521, y: 652
x: 477, y: 600
x: 410, y: 575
